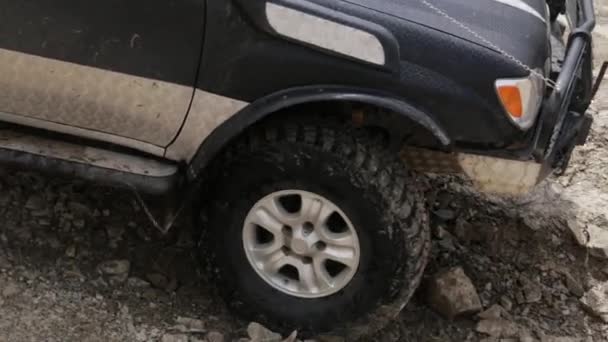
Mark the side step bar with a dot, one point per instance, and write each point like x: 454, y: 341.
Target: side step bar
x: 147, y: 175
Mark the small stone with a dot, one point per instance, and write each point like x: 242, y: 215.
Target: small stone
x: 465, y: 232
x: 595, y: 301
x: 114, y: 267
x: 44, y: 222
x: 137, y: 282
x: 115, y: 233
x: 150, y: 294
x: 259, y: 333
x: 497, y: 328
x: 215, y: 336
x: 451, y: 293
x: 79, y: 223
x: 531, y: 290
x: 70, y: 252
x: 445, y: 214
x: 174, y: 338
x: 191, y: 324
x: 158, y: 280
x: 79, y: 208
x: 526, y: 336
x: 506, y: 303
x: 574, y: 286
x: 555, y: 240
x: 10, y: 289
x: 35, y: 203
x: 494, y: 312
x: 440, y: 232
x: 118, y: 270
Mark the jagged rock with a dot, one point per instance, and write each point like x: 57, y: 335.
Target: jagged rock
x: 497, y: 328
x: 596, y: 301
x: 259, y: 333
x: 574, y: 286
x: 494, y: 312
x: 589, y: 235
x: 451, y: 293
x: 531, y: 290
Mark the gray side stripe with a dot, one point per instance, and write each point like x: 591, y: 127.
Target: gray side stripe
x: 326, y: 34
x: 520, y: 4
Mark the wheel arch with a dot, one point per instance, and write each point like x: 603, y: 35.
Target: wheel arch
x: 395, y: 113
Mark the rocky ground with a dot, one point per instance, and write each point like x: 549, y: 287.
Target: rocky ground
x: 82, y: 263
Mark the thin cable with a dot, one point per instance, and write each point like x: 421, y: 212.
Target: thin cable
x: 549, y: 82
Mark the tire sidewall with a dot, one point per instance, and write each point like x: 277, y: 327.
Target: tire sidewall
x: 296, y: 167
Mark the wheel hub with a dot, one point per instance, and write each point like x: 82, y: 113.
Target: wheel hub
x: 301, y: 243
x: 300, y: 247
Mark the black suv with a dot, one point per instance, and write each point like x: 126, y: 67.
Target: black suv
x: 299, y: 128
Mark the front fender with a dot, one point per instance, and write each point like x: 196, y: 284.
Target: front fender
x: 280, y: 101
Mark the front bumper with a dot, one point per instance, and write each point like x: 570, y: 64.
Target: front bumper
x: 562, y: 124
x: 564, y: 121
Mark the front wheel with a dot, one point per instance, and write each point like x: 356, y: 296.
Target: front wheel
x: 313, y: 225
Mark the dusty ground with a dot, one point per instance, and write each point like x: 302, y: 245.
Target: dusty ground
x: 57, y: 236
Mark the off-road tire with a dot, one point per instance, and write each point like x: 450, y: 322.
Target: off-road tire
x: 354, y: 170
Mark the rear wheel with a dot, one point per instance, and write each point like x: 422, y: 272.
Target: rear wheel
x: 314, y: 226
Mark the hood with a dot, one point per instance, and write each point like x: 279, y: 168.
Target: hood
x: 517, y: 27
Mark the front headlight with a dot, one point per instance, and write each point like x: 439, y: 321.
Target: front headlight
x: 522, y: 98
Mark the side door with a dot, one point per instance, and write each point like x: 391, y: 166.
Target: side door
x: 116, y: 70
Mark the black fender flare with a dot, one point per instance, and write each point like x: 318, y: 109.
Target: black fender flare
x: 273, y: 103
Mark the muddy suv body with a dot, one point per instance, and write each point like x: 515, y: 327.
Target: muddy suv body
x: 295, y: 125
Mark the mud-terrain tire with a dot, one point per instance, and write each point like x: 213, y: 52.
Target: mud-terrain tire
x: 335, y: 161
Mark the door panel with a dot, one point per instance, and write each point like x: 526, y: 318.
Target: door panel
x: 124, y: 67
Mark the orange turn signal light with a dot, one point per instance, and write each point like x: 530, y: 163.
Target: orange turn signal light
x: 511, y: 100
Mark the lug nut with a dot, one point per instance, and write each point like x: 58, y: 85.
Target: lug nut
x: 308, y: 228
x: 320, y: 245
x: 287, y: 230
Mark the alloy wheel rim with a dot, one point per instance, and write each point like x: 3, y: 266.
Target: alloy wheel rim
x: 301, y: 243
